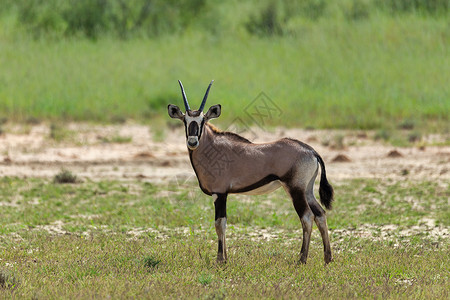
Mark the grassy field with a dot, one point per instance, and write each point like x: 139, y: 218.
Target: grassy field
x: 135, y: 239
x: 377, y: 72
x: 373, y: 65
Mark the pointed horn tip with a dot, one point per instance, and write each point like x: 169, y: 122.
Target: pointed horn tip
x: 186, y: 103
x: 202, y: 106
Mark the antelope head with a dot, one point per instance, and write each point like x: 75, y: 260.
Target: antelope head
x: 194, y: 120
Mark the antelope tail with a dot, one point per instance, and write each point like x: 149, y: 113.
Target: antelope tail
x: 326, y: 192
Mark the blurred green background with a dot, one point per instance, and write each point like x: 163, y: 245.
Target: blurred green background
x: 357, y: 64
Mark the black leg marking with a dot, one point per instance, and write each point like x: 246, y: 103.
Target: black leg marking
x: 299, y: 201
x: 220, y: 250
x: 220, y: 204
x: 266, y: 180
x: 317, y: 210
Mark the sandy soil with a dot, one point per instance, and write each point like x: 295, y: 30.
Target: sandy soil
x: 159, y: 155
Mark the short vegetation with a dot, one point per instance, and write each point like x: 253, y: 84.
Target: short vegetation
x: 111, y: 239
x: 367, y: 64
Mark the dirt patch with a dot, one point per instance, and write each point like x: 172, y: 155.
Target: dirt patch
x: 29, y: 151
x: 341, y: 158
x: 395, y: 154
x: 144, y: 155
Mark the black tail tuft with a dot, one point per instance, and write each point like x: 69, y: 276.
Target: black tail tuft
x: 325, y: 189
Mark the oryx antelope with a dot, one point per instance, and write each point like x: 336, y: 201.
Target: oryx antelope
x: 254, y: 169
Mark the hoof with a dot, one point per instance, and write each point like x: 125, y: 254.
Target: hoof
x: 221, y: 260
x: 302, y: 260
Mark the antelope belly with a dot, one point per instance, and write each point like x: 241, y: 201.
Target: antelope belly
x: 265, y: 189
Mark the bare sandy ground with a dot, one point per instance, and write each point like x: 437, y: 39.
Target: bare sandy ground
x: 159, y: 154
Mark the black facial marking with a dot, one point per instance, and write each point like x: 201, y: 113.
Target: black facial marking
x: 193, y: 129
x: 201, y: 128
x: 185, y: 127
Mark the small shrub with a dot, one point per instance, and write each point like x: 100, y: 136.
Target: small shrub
x: 272, y: 19
x: 407, y: 124
x: 325, y: 142
x: 65, y: 176
x: 382, y: 134
x: 59, y: 133
x: 205, y: 279
x: 414, y: 136
x: 269, y: 21
x: 151, y: 262
x: 87, y: 16
x: 358, y: 10
x: 118, y: 119
x: 338, y: 142
x: 7, y: 280
x: 32, y: 121
x: 313, y: 9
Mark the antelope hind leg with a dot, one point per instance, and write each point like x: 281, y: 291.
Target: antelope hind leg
x: 320, y: 218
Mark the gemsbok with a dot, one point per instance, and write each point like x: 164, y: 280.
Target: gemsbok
x: 226, y: 163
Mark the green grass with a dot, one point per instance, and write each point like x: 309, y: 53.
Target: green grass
x: 375, y: 73
x: 117, y: 139
x: 135, y: 239
x: 102, y: 266
x: 123, y: 206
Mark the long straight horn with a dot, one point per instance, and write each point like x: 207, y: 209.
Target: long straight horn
x: 186, y: 104
x: 205, y: 97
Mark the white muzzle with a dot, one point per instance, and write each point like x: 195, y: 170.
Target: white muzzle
x: 192, y: 142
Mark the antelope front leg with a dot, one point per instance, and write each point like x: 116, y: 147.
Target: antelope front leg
x: 220, y: 204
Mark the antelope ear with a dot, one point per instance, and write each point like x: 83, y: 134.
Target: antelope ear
x: 175, y: 112
x: 214, y: 112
